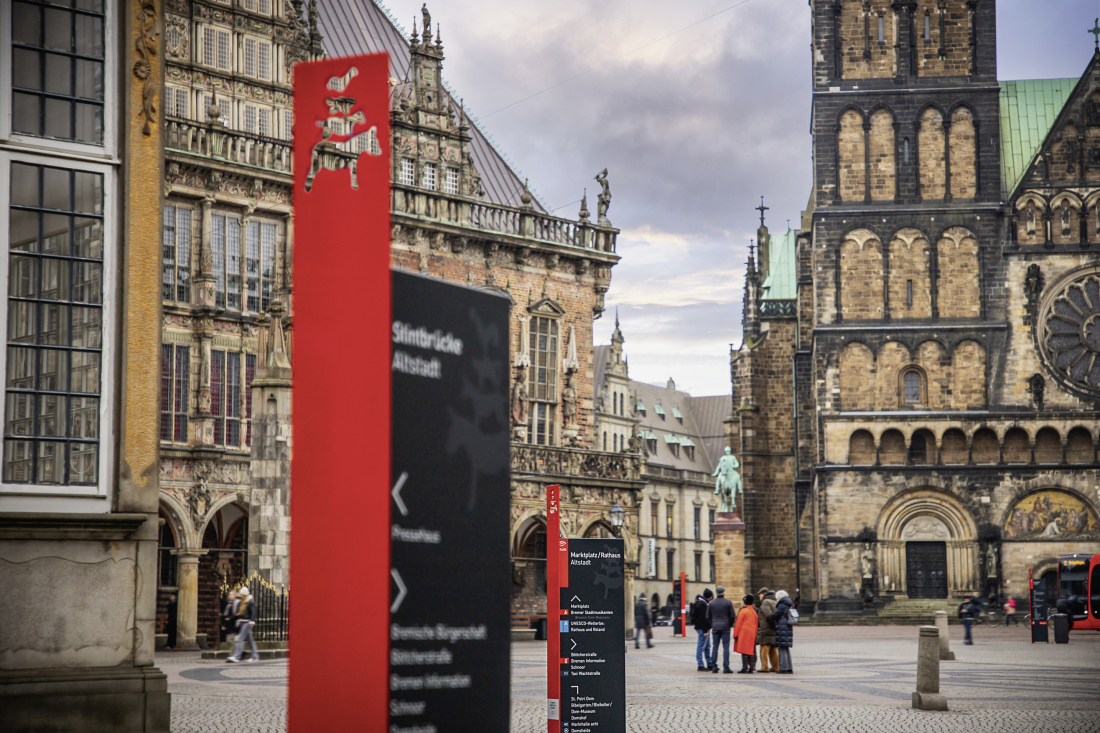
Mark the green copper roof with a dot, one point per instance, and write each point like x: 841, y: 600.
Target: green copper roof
x: 1028, y: 111
x: 781, y: 282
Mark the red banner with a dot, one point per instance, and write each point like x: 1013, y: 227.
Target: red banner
x: 340, y: 544
x: 557, y: 577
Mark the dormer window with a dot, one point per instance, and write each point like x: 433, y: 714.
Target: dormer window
x: 640, y: 408
x: 673, y: 443
x: 678, y: 415
x: 688, y: 446
x: 659, y: 410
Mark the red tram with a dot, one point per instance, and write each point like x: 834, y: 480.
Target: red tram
x: 1079, y: 590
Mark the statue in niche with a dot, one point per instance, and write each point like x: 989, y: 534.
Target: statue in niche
x: 1092, y: 112
x: 991, y: 560
x: 634, y: 440
x: 1065, y: 219
x: 1036, y: 384
x: 569, y: 400
x: 1029, y: 219
x: 604, y: 199
x: 1094, y: 157
x: 728, y: 485
x: 867, y: 561
x: 520, y: 405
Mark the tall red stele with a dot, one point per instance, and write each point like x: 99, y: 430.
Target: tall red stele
x: 340, y: 546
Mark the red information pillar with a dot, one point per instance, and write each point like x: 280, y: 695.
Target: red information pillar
x: 557, y: 577
x: 684, y: 604
x: 340, y: 546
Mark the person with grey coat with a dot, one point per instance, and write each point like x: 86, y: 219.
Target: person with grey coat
x: 765, y: 632
x: 784, y: 632
x: 721, y: 616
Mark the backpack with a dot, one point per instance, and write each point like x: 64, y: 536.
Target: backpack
x: 792, y: 617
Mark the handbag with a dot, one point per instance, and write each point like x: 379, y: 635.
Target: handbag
x: 792, y: 617
x: 649, y: 633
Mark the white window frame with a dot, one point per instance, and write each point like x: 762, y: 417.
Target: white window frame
x: 406, y: 166
x: 250, y: 115
x: 428, y: 176
x: 225, y: 104
x: 171, y: 103
x: 218, y: 33
x: 109, y: 149
x: 73, y: 498
x: 450, y: 180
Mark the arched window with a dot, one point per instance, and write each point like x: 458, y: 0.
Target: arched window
x: 905, y: 151
x: 911, y: 388
x: 605, y: 440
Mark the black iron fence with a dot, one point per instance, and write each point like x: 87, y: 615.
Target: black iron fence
x: 272, y: 606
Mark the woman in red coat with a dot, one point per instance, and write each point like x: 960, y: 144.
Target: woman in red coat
x: 744, y: 635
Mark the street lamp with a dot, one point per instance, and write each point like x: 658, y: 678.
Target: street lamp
x: 617, y: 516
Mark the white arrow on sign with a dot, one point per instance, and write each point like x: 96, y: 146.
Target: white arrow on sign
x: 576, y: 688
x: 401, y: 590
x: 397, y: 493
x: 574, y: 598
x: 574, y: 644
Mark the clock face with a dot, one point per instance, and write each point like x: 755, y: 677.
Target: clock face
x: 1069, y: 332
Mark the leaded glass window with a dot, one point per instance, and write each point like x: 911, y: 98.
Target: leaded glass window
x: 217, y: 257
x: 57, y: 70
x: 407, y: 175
x: 267, y: 263
x: 175, y: 371
x: 911, y: 386
x: 176, y: 275
x: 450, y: 181
x: 55, y: 326
x: 427, y: 176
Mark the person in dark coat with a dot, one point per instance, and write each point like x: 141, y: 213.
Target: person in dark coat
x: 228, y: 630
x: 702, y: 629
x: 765, y: 634
x: 784, y: 632
x: 642, y: 623
x: 970, y: 611
x: 170, y: 625
x: 721, y: 617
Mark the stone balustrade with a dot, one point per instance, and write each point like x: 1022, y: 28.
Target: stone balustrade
x: 574, y: 462
x: 525, y: 222
x: 232, y: 146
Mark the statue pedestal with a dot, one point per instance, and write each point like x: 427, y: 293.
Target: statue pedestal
x: 728, y: 532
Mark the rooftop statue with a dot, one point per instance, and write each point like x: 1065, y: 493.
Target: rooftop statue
x: 604, y: 199
x: 728, y: 485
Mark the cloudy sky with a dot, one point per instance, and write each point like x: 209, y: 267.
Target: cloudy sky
x: 693, y: 128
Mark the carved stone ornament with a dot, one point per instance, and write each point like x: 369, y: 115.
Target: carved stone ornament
x: 146, y: 47
x: 177, y: 37
x: 1069, y: 336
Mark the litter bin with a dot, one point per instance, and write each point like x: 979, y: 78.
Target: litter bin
x: 1060, y: 622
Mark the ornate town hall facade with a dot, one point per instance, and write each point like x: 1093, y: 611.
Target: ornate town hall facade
x: 920, y: 375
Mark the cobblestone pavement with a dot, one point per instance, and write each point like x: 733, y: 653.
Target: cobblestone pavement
x: 846, y: 679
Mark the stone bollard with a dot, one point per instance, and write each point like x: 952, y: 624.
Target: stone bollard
x: 945, y: 640
x: 927, y: 696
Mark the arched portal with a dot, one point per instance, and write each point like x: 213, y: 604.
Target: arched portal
x: 928, y: 544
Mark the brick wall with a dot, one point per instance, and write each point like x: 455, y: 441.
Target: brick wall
x: 910, y: 271
x: 861, y: 276
x: 930, y: 141
x: 958, y: 282
x: 960, y: 143
x: 883, y: 156
x: 859, y: 33
x: 954, y: 39
x: 853, y: 161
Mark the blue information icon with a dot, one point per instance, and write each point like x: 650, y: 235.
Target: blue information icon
x: 565, y: 627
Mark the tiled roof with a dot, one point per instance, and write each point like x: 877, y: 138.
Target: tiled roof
x: 353, y: 27
x: 781, y: 282
x: 696, y: 429
x: 1029, y: 109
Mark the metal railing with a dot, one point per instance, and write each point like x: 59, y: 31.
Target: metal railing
x: 272, y: 606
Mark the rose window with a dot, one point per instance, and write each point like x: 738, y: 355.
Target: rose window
x: 1071, y: 341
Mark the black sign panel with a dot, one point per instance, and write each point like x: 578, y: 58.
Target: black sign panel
x: 593, y: 668
x: 1039, y: 609
x: 450, y: 592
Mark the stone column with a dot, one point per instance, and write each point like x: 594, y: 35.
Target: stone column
x: 728, y: 532
x: 187, y: 604
x: 945, y: 639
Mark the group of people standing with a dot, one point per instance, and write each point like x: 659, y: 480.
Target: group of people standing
x: 765, y: 620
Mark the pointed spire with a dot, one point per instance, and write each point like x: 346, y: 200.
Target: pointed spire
x: 415, y: 38
x: 583, y: 216
x: 617, y: 334
x: 751, y: 271
x: 438, y: 38
x: 761, y: 208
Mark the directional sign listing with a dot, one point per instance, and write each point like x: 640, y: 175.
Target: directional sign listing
x: 449, y: 623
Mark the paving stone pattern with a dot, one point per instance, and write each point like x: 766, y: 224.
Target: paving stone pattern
x: 846, y: 679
